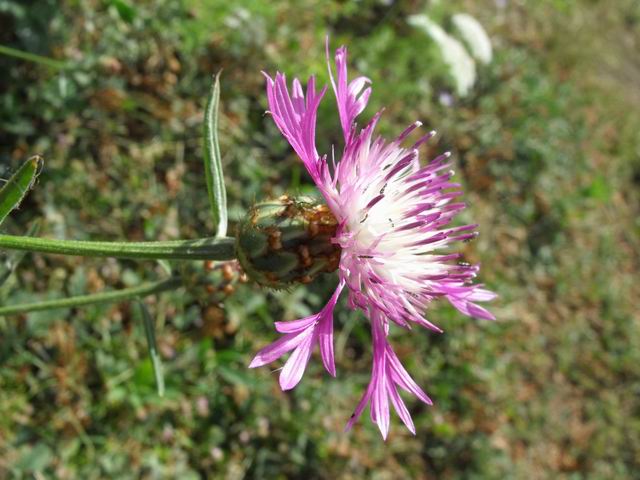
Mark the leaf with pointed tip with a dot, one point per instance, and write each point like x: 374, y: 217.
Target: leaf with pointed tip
x: 14, y: 191
x: 10, y: 262
x: 156, y: 362
x: 213, y: 162
x: 165, y: 265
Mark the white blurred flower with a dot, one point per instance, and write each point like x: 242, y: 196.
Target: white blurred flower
x: 475, y: 37
x: 446, y: 99
x: 461, y: 65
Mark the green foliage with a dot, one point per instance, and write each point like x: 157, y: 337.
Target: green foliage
x: 18, y: 185
x: 10, y: 260
x: 213, y: 161
x: 154, y: 356
x: 547, y: 148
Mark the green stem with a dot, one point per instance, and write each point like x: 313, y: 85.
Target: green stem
x: 200, y: 249
x: 114, y: 296
x: 32, y: 57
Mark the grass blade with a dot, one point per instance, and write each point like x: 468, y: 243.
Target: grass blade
x: 213, y: 162
x: 32, y: 57
x: 12, y: 259
x: 12, y: 193
x: 156, y: 362
x: 171, y: 283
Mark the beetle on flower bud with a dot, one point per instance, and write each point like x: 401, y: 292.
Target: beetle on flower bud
x: 389, y: 218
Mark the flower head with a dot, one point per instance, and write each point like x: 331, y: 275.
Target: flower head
x: 392, y: 218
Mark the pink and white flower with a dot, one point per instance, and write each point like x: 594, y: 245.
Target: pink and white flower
x: 393, y: 215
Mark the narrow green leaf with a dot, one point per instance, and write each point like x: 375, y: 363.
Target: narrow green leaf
x: 12, y: 259
x: 171, y: 283
x: 156, y: 362
x: 213, y: 162
x: 32, y: 57
x: 12, y: 192
x: 126, y: 11
x: 165, y: 265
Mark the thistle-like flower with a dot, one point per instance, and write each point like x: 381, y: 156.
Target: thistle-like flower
x: 391, y: 225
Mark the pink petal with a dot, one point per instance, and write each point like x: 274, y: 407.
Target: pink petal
x: 482, y: 295
x: 359, y: 408
x: 427, y: 324
x: 295, y: 325
x: 276, y: 349
x: 360, y: 104
x: 298, y: 97
x: 380, y: 406
x: 470, y: 309
x: 325, y: 331
x: 402, y: 378
x: 479, y: 312
x: 325, y: 339
x: 401, y: 408
x: 295, y: 117
x: 294, y: 368
x: 350, y: 97
x: 357, y: 84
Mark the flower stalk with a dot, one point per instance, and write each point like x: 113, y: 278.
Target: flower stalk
x: 198, y: 249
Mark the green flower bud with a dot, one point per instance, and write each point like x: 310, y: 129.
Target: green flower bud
x: 286, y: 241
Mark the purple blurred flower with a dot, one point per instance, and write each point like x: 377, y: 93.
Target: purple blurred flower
x: 393, y: 215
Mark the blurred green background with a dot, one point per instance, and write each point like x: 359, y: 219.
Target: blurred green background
x: 546, y: 143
